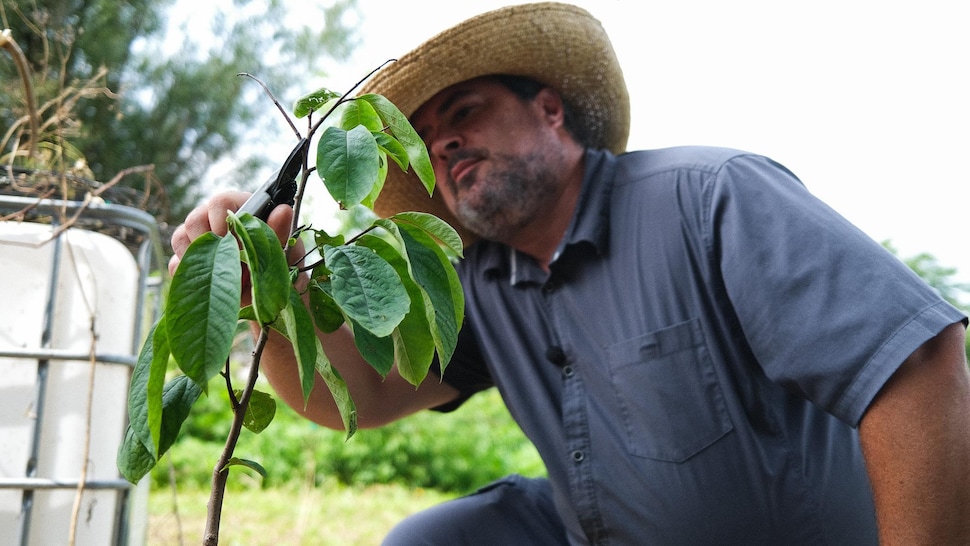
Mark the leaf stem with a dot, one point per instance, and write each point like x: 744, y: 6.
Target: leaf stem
x: 349, y: 241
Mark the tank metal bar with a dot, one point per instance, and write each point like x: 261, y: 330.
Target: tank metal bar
x: 118, y: 215
x: 27, y: 502
x: 47, y: 483
x: 60, y: 354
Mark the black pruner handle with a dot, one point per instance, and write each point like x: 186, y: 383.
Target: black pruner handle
x: 279, y: 188
x: 261, y: 202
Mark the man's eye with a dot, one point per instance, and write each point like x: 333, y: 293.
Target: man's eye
x: 461, y: 113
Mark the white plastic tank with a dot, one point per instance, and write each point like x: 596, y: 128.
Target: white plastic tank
x: 68, y: 314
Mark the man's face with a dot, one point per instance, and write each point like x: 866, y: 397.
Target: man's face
x: 492, y: 153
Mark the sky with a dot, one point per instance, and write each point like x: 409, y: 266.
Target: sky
x: 868, y: 102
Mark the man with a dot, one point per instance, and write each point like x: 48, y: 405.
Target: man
x: 701, y: 351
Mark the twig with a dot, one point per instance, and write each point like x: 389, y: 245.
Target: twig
x: 92, y: 352
x: 232, y: 394
x: 220, y: 474
x: 343, y: 98
x: 87, y: 437
x: 97, y: 193
x: 8, y: 43
x: 349, y: 241
x: 20, y: 214
x: 276, y: 102
x: 175, y: 501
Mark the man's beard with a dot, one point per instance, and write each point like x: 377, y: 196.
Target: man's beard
x: 515, y: 192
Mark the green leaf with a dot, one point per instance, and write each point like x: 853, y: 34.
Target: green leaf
x: 260, y: 412
x: 325, y: 311
x: 413, y: 349
x: 252, y: 465
x: 268, y: 271
x: 147, y: 382
x: 377, y: 351
x: 400, y: 128
x: 178, y: 396
x: 348, y: 162
x: 378, y: 186
x: 433, y: 226
x: 366, y: 288
x: 354, y: 113
x: 247, y: 313
x: 300, y: 331
x: 431, y: 268
x: 338, y: 389
x: 412, y: 341
x: 134, y: 459
x: 313, y: 101
x: 436, y: 275
x: 202, y: 306
x: 321, y: 238
x: 393, y: 148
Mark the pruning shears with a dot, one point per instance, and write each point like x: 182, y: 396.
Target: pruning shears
x: 279, y: 188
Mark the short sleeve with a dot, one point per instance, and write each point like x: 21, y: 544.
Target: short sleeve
x: 828, y: 312
x: 466, y: 372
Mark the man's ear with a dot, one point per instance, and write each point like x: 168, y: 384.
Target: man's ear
x: 551, y: 106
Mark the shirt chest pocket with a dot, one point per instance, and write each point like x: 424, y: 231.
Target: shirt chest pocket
x: 671, y: 403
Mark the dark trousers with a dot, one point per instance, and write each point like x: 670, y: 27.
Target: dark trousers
x: 511, y: 511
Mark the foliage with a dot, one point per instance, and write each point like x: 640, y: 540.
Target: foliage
x: 938, y: 276
x: 178, y: 107
x: 455, y: 452
x: 393, y: 285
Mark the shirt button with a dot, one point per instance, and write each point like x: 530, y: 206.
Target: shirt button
x: 578, y: 456
x: 568, y: 371
x: 550, y: 287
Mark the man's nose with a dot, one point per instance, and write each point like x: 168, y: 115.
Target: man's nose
x: 445, y: 144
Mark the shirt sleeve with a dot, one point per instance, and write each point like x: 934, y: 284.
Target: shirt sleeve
x: 828, y: 312
x: 466, y: 371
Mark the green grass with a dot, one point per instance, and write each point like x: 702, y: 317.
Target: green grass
x: 329, y: 514
x: 454, y: 452
x: 323, y: 489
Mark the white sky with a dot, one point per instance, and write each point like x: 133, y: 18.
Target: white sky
x: 866, y: 101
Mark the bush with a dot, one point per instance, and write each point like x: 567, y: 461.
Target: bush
x: 455, y: 452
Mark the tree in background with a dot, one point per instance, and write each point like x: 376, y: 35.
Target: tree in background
x: 182, y: 107
x: 940, y: 278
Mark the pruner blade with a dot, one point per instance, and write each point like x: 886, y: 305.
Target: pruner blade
x: 279, y: 188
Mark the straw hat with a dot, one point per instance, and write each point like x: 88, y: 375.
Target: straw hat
x: 559, y: 45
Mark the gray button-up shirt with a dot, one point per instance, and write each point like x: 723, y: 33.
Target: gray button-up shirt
x: 693, y: 367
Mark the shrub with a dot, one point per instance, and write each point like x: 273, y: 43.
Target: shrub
x: 455, y: 452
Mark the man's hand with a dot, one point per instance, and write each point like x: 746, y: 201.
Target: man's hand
x: 211, y: 216
x: 916, y: 440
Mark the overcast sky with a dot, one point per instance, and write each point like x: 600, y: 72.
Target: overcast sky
x: 866, y: 101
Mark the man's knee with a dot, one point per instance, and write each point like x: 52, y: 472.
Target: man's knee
x: 513, y: 510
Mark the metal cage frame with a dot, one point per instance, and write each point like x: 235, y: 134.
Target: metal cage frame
x: 148, y: 254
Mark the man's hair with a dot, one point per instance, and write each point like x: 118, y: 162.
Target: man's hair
x: 527, y: 89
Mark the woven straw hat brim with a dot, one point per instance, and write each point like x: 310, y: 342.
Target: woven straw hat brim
x: 560, y: 45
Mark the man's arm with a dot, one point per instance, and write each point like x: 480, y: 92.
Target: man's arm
x: 916, y: 441
x: 378, y: 400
